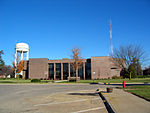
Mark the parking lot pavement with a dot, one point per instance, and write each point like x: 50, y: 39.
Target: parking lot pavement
x: 83, y: 101
x: 51, y: 99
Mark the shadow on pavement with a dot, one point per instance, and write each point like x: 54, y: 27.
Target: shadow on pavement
x: 84, y: 94
x: 104, y: 91
x: 93, y: 83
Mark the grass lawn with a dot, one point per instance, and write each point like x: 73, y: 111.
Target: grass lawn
x: 14, y: 81
x: 135, y: 80
x: 142, y: 91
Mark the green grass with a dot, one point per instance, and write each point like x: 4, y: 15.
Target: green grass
x: 15, y: 81
x: 142, y: 91
x: 135, y: 80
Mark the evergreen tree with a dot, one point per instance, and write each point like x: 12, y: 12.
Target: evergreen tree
x: 2, y: 63
x: 132, y: 71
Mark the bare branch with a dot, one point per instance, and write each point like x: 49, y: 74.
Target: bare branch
x: 76, y: 56
x: 126, y: 55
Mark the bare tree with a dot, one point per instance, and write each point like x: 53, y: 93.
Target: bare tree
x: 76, y: 56
x: 125, y: 56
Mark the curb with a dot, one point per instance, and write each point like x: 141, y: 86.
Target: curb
x: 107, y: 105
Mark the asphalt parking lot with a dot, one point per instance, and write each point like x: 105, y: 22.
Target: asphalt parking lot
x: 57, y: 98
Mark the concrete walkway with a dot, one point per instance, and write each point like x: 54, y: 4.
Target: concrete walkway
x: 124, y: 102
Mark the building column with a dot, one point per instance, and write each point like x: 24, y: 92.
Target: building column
x: 61, y: 71
x: 69, y: 69
x: 54, y: 71
x: 84, y: 70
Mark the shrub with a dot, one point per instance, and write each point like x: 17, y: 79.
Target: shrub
x: 41, y: 78
x: 116, y: 77
x: 143, y: 76
x: 2, y: 78
x: 72, y: 79
x: 35, y: 80
x: 147, y: 76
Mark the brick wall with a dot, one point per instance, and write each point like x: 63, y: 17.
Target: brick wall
x: 38, y: 68
x: 103, y: 68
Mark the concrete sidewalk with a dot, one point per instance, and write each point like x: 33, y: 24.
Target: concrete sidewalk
x: 124, y: 102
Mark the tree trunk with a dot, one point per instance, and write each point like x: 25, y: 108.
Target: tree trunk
x: 77, y: 75
x: 130, y: 75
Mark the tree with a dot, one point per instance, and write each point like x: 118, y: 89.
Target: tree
x: 146, y: 71
x: 132, y: 72
x: 76, y: 56
x: 129, y: 58
x: 18, y: 67
x: 2, y: 63
x: 6, y: 70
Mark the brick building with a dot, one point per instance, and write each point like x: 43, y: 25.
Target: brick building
x: 93, y: 68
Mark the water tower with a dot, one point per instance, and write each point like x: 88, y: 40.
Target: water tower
x: 21, y: 48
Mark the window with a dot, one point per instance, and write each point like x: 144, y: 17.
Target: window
x: 65, y: 71
x: 51, y: 71
x: 58, y: 71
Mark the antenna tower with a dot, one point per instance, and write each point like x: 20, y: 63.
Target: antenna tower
x: 111, y: 45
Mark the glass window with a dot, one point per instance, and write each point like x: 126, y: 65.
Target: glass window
x: 72, y: 71
x: 80, y: 72
x: 88, y: 69
x: 58, y: 71
x: 51, y: 71
x: 65, y: 71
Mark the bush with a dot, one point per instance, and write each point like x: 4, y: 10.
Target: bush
x: 35, y: 80
x: 116, y: 77
x: 73, y: 79
x: 124, y: 73
x: 41, y: 78
x: 3, y: 78
x: 143, y: 76
x: 146, y: 76
x: 19, y: 76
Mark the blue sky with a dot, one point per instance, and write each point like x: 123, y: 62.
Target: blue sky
x: 53, y: 27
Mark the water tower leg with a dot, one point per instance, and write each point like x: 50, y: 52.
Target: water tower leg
x: 15, y: 61
x: 22, y: 55
x: 27, y: 55
x: 21, y: 60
